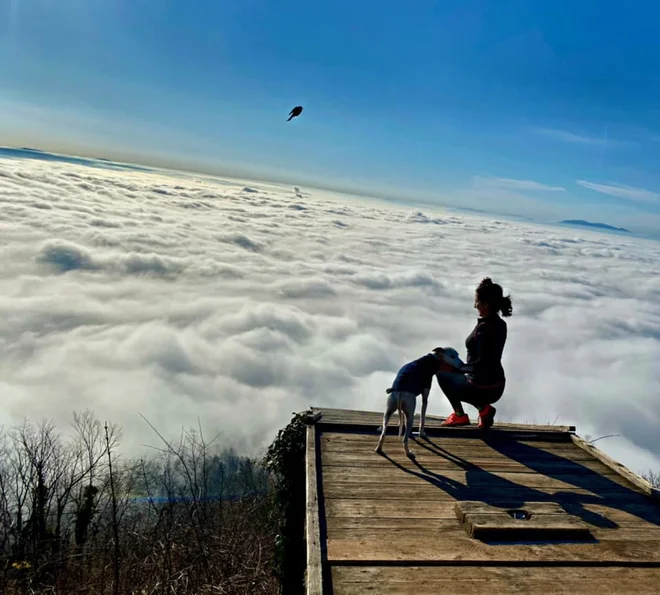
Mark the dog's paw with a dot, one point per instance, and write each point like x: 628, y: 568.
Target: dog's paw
x: 410, y: 454
x: 378, y: 450
x: 423, y: 435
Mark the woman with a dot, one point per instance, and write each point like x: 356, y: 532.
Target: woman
x: 481, y: 381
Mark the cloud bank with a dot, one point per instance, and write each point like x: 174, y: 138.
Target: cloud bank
x: 626, y: 192
x: 512, y: 184
x: 186, y: 299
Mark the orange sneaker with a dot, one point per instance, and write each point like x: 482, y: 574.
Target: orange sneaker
x: 487, y: 417
x: 457, y: 420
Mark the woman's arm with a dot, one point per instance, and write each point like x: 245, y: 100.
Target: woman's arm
x: 447, y: 367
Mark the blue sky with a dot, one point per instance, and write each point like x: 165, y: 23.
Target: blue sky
x: 545, y: 109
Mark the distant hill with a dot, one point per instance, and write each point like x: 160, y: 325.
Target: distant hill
x: 583, y: 223
x: 38, y: 154
x: 490, y: 213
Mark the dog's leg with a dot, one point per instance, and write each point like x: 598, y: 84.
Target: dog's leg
x: 392, y: 404
x: 408, y: 405
x: 422, y: 417
x: 388, y: 391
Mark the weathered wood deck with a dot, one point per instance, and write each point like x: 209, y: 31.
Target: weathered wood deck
x: 389, y: 525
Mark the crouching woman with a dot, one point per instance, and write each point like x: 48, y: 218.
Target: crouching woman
x: 480, y: 382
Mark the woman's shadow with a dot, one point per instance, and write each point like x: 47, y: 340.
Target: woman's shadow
x: 489, y: 488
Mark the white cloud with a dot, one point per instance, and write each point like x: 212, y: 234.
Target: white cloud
x: 579, y: 139
x: 512, y: 184
x: 184, y: 298
x: 625, y: 192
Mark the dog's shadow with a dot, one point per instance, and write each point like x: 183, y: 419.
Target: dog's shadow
x: 492, y: 489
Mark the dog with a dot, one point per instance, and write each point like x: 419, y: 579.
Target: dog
x: 405, y: 402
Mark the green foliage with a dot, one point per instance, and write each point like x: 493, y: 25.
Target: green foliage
x: 285, y: 459
x: 85, y: 513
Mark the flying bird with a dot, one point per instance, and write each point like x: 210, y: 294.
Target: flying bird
x: 295, y: 112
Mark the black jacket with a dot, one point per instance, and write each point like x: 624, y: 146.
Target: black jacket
x: 485, y: 345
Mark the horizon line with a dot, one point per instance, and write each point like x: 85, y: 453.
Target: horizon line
x: 359, y: 192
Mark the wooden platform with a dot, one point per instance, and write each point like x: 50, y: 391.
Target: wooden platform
x: 391, y: 525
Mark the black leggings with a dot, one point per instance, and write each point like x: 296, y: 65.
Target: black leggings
x: 459, y: 390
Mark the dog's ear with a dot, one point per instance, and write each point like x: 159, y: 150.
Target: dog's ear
x: 439, y: 350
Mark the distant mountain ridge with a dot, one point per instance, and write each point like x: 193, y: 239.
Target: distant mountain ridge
x: 583, y: 223
x: 38, y: 154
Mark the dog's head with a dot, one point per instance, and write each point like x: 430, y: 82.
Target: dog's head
x: 448, y: 355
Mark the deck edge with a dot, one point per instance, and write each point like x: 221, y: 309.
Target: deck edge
x: 314, y: 571
x: 617, y: 467
x: 317, y: 415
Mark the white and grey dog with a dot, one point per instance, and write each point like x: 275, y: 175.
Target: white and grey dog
x: 405, y: 403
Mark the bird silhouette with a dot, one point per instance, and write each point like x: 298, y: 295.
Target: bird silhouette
x: 296, y: 111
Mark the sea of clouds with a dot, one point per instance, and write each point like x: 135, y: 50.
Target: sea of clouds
x: 185, y: 298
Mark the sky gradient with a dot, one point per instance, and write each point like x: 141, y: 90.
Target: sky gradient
x: 546, y: 110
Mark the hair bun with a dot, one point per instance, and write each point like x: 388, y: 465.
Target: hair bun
x: 492, y: 294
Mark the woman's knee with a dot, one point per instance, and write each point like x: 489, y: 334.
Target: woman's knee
x: 480, y: 397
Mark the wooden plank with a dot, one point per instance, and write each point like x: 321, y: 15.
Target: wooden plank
x: 444, y: 440
x: 628, y: 513
x: 356, y: 580
x: 314, y: 573
x: 350, y: 476
x: 619, y: 468
x: 486, y: 522
x: 434, y: 430
x: 441, y: 464
x: 538, y: 528
x: 470, y: 507
x: 347, y: 416
x: 476, y: 587
x: 406, y: 574
x: 449, y: 442
x: 460, y: 447
x: 435, y: 422
x: 451, y: 490
x: 457, y: 547
x: 356, y: 525
x: 396, y: 527
x: 313, y: 417
x: 467, y: 459
x: 510, y: 574
x: 380, y: 525
x: 595, y: 538
x: 393, y: 509
x: 389, y: 473
x: 365, y: 440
